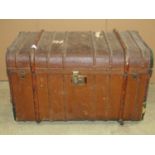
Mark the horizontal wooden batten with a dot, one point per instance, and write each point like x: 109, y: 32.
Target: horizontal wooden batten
x: 82, y: 70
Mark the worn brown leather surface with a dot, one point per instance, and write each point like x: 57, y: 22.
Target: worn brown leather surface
x: 115, y: 66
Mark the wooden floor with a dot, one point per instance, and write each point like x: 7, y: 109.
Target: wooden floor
x: 9, y: 126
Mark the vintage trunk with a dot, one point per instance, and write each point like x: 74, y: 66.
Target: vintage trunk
x: 79, y: 75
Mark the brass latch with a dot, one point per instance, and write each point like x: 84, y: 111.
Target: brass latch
x: 78, y: 79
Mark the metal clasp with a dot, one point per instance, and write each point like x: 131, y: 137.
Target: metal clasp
x: 78, y: 79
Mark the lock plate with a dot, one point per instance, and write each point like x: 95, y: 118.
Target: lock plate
x: 78, y: 79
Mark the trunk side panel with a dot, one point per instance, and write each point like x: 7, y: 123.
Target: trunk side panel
x: 130, y: 98
x: 143, y: 80
x: 23, y: 96
x: 135, y: 97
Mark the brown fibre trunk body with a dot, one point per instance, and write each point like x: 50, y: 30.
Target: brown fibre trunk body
x: 78, y: 75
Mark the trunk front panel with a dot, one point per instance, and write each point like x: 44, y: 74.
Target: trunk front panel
x: 60, y: 99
